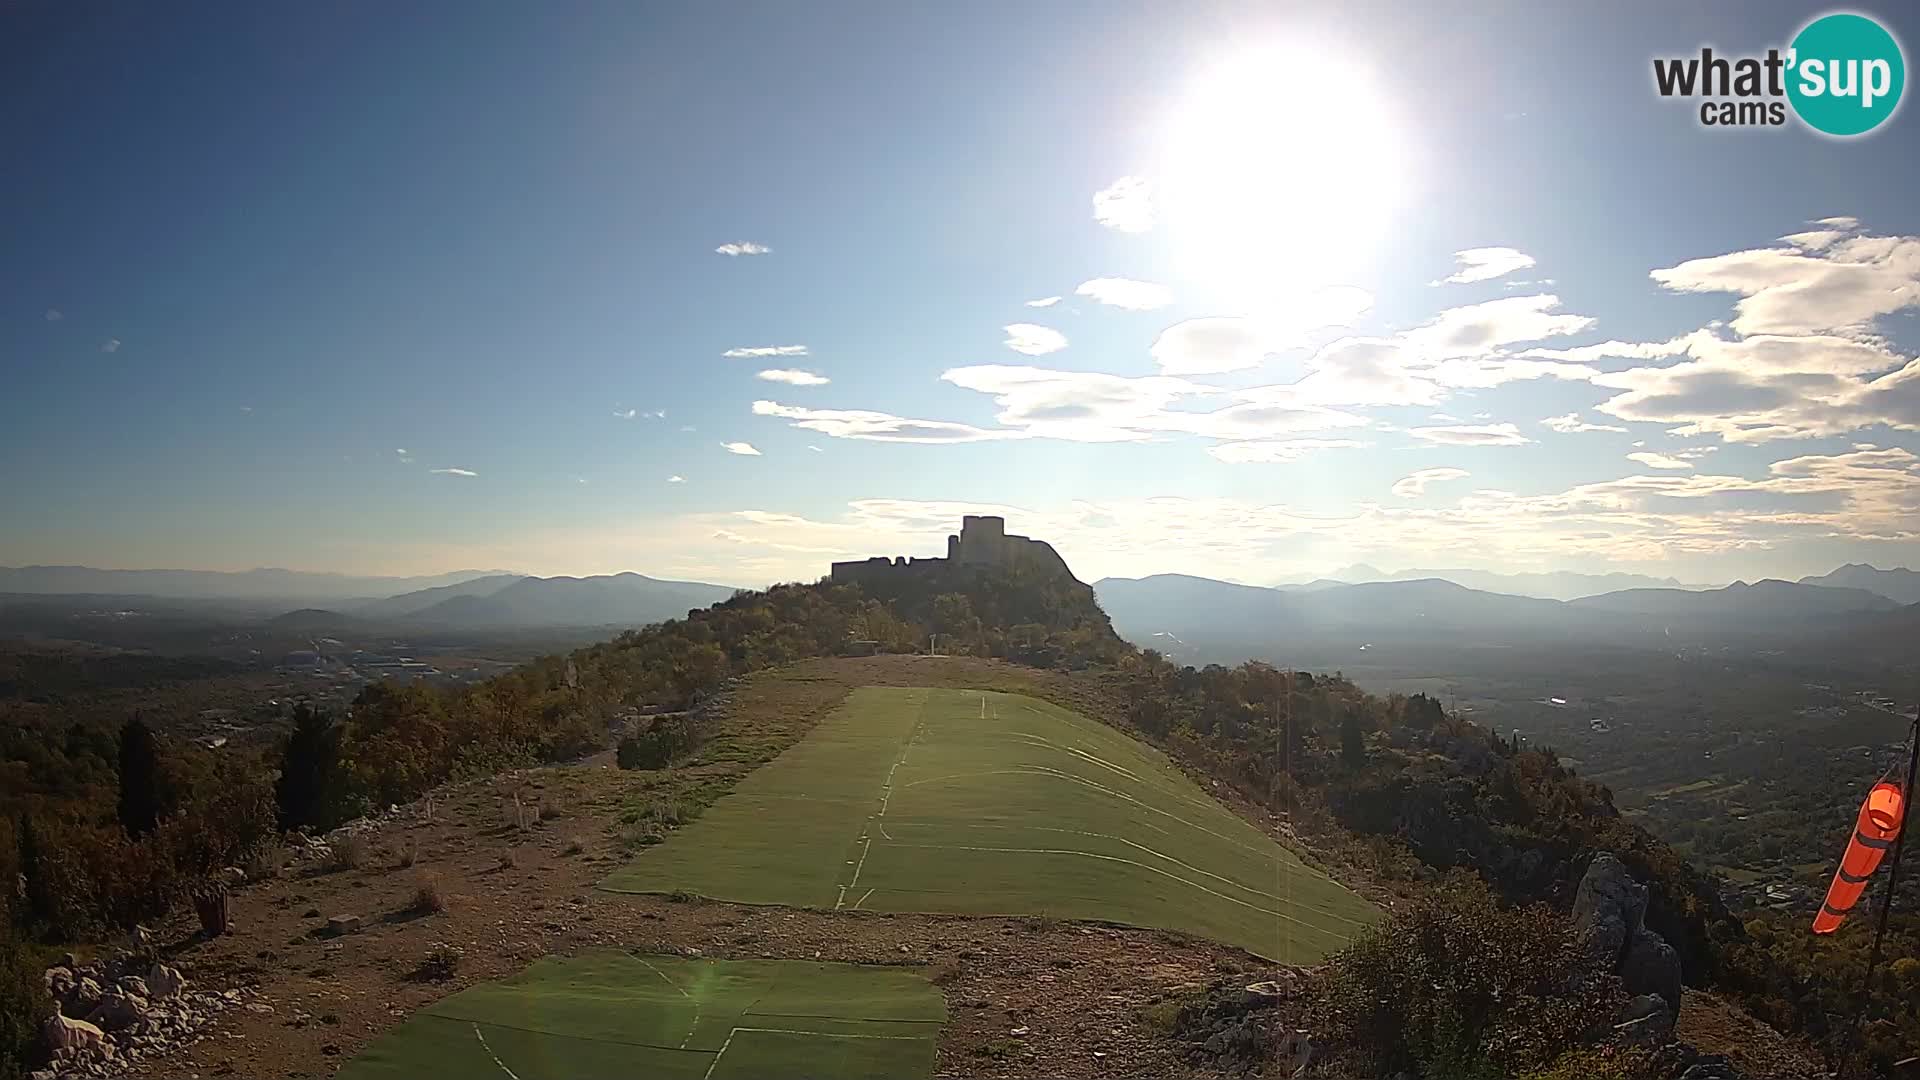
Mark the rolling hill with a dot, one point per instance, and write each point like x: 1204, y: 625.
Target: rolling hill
x: 409, y: 603
x: 617, y: 599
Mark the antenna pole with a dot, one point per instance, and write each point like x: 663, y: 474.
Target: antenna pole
x: 1893, y: 882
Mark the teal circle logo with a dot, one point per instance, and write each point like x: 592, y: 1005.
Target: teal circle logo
x: 1846, y: 74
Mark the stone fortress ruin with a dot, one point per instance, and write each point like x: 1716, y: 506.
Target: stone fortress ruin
x: 983, y: 542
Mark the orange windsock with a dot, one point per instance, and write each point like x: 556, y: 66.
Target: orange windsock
x: 1873, y: 835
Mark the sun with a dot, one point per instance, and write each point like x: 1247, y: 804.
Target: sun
x: 1280, y: 169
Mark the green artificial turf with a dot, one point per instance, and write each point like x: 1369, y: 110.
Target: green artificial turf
x: 608, y: 1015
x: 986, y: 803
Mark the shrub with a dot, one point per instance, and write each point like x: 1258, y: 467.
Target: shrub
x: 1456, y: 988
x: 265, y: 859
x: 549, y: 809
x: 427, y: 899
x: 409, y: 853
x: 574, y: 846
x: 23, y: 1004
x: 441, y: 962
x: 669, y: 737
x: 347, y: 853
x: 510, y: 858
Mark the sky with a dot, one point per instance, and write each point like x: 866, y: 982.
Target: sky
x: 727, y: 291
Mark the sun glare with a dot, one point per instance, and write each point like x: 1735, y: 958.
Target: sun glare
x: 1280, y: 167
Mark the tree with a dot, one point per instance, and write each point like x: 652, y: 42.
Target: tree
x: 139, y: 779
x: 32, y: 886
x: 1353, y: 740
x: 308, y: 769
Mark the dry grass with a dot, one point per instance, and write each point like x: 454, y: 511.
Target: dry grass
x: 427, y: 898
x: 347, y: 853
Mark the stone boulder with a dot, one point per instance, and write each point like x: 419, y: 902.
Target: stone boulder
x: 118, y: 1011
x: 166, y: 982
x: 1609, y: 906
x: 1651, y: 966
x: 1646, y: 1021
x: 84, y: 995
x: 65, y: 1033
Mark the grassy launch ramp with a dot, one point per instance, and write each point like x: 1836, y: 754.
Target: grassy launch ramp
x: 616, y: 1016
x: 985, y: 803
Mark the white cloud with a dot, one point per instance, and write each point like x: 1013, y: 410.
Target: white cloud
x: 1045, y: 301
x: 1654, y: 460
x: 742, y: 248
x: 626, y: 414
x: 110, y: 345
x: 1126, y: 205
x: 1126, y: 293
x: 1366, y: 371
x: 402, y: 452
x: 54, y: 315
x: 676, y: 479
x: 1478, y: 328
x: 1277, y: 451
x: 759, y: 351
x: 876, y: 426
x: 454, y: 472
x: 1471, y: 435
x: 746, y: 449
x: 1212, y: 344
x: 1414, y: 484
x: 1085, y: 406
x: 793, y: 377
x: 1485, y: 264
x: 1033, y: 339
x: 1823, y: 284
x: 1571, y: 423
x: 815, y: 449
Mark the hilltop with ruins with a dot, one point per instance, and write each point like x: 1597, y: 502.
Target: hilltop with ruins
x: 983, y: 542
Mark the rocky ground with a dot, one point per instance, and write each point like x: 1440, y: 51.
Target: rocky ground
x: 1027, y: 996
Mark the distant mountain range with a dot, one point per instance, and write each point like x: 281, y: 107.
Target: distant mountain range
x: 265, y: 584
x: 1899, y: 584
x: 513, y: 601
x: 1554, y: 585
x: 1219, y: 618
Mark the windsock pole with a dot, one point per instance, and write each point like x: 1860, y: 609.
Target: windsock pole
x: 1893, y: 882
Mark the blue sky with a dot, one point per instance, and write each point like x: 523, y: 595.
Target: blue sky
x: 272, y: 272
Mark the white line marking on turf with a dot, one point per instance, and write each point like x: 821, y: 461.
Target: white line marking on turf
x: 831, y: 1034
x: 1149, y: 869
x: 791, y: 1031
x: 663, y: 977
x: 715, y: 1063
x: 491, y: 1054
x: 695, y: 1025
x: 862, y: 900
x: 862, y: 865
